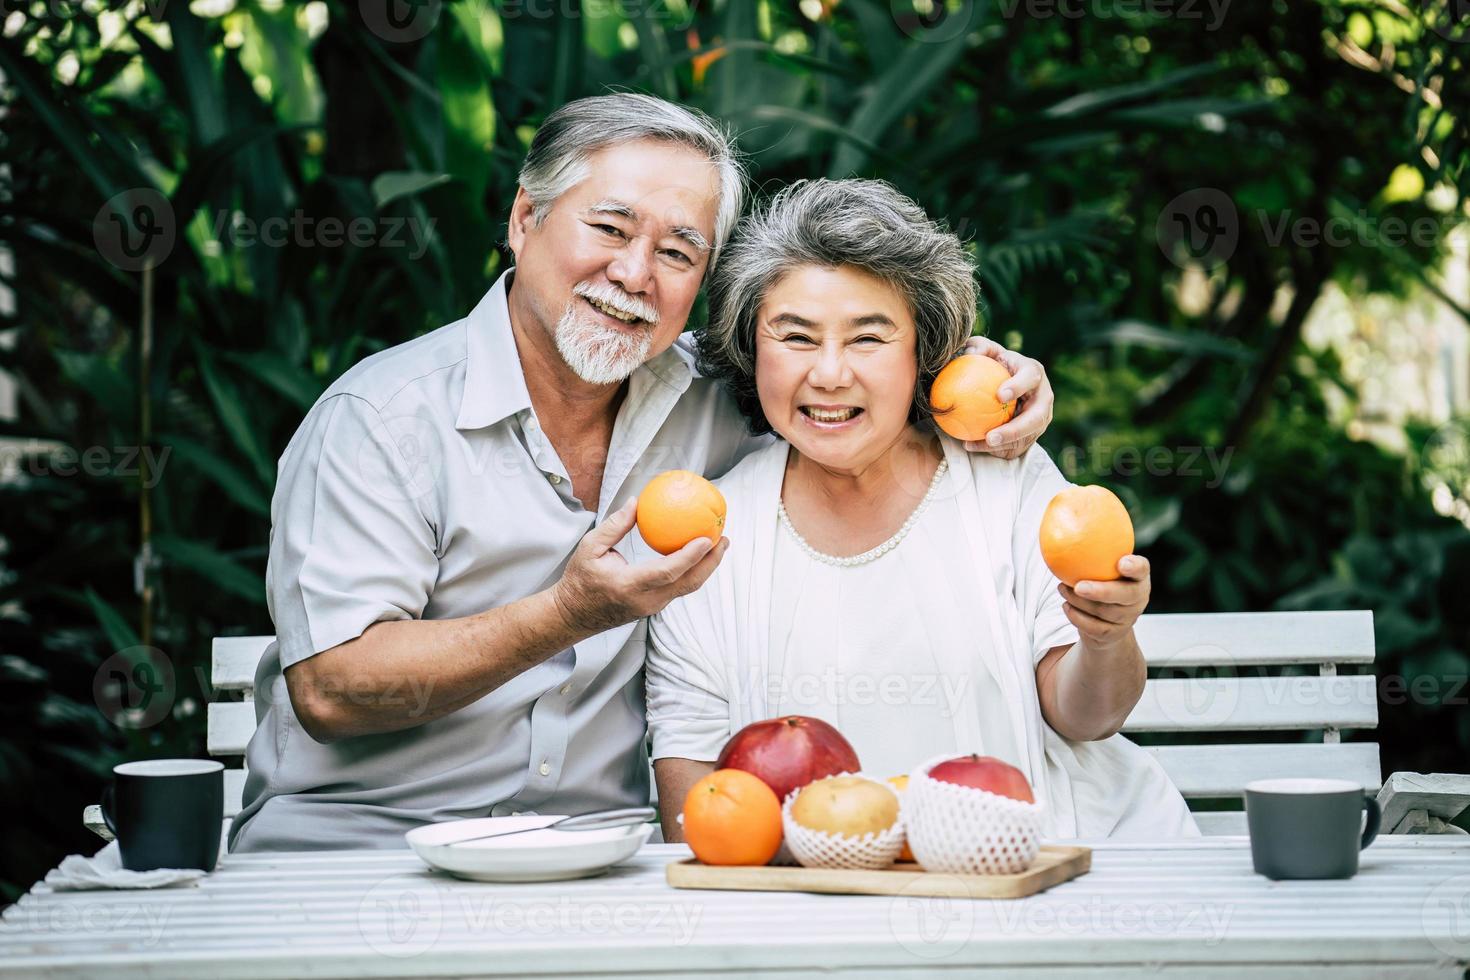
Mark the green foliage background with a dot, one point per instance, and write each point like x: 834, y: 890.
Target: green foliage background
x: 1052, y: 143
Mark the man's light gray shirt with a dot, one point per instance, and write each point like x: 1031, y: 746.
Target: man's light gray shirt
x: 420, y: 486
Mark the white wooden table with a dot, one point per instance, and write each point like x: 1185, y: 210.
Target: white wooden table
x: 1191, y: 908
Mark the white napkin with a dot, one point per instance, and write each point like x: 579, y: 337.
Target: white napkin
x: 104, y: 870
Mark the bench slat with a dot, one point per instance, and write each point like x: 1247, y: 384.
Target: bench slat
x: 231, y: 723
x: 234, y: 790
x: 1239, y: 704
x: 1167, y: 639
x: 1222, y: 823
x: 1223, y: 770
x: 1242, y: 639
x: 234, y: 659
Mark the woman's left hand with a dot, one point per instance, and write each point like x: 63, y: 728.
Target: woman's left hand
x: 1032, y: 391
x: 1104, y: 612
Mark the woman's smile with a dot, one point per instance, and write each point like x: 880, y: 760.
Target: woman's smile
x: 835, y: 418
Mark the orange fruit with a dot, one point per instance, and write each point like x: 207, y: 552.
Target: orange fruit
x: 901, y: 783
x: 964, y: 396
x: 731, y: 817
x: 678, y: 506
x: 847, y: 805
x: 1085, y: 531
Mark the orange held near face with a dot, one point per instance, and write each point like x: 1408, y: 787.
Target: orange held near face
x: 965, y: 399
x: 731, y: 817
x: 678, y: 506
x: 1085, y: 532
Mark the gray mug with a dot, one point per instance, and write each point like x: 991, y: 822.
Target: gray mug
x: 1308, y: 828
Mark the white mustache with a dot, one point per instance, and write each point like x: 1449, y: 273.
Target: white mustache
x: 611, y: 295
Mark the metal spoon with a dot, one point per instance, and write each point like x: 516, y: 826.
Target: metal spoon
x: 598, y: 820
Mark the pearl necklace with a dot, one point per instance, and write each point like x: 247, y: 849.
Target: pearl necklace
x: 872, y: 554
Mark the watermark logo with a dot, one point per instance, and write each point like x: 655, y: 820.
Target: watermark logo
x: 135, y: 229
x: 1445, y: 917
x: 1200, y: 227
x: 401, y: 458
x: 1450, y: 19
x: 1205, y: 701
x: 932, y: 21
x: 932, y: 926
x: 402, y: 916
x: 134, y: 688
x: 1446, y: 454
x: 400, y: 21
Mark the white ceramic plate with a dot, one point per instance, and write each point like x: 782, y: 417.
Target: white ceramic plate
x: 545, y: 855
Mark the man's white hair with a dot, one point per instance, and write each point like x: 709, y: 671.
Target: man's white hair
x: 557, y: 160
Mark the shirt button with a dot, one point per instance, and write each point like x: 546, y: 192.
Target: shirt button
x: 554, y: 478
x: 545, y: 769
x: 566, y: 689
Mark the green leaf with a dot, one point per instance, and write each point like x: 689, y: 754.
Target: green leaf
x: 568, y: 50
x: 469, y: 114
x: 729, y: 77
x: 202, y: 93
x: 276, y: 372
x: 233, y: 414
x: 60, y: 120
x: 120, y: 635
x: 390, y: 186
x: 653, y: 49
x: 212, y: 566
x: 1123, y: 333
x: 897, y: 92
x: 237, y: 484
x: 1102, y: 99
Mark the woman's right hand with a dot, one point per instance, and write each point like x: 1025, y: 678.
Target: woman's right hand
x: 599, y: 590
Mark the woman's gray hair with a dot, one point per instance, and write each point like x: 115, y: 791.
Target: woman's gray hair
x: 864, y: 224
x: 557, y: 160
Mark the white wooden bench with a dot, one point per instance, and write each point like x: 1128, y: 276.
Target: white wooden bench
x: 1207, y: 710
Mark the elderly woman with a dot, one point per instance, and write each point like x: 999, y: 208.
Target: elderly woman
x: 878, y: 576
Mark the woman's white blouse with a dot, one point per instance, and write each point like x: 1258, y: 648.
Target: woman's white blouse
x: 885, y: 651
x: 965, y: 598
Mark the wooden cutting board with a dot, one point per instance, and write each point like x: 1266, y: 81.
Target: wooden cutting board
x: 1054, y: 865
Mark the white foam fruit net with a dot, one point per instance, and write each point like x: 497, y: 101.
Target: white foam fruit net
x: 962, y: 830
x: 819, y: 849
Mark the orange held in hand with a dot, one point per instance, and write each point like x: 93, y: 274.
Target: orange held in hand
x: 731, y: 817
x: 965, y: 399
x: 1085, y: 532
x: 678, y: 506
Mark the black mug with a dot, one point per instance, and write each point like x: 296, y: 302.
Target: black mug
x: 1308, y: 828
x: 166, y: 813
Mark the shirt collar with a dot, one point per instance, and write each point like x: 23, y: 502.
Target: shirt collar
x: 495, y: 385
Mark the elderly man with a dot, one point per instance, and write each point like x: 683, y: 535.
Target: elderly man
x: 459, y: 605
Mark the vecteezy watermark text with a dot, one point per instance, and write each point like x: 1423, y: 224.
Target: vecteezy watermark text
x: 44, y: 458
x: 304, y: 231
x: 1203, y: 226
x: 1101, y: 458
x: 137, y: 228
x: 1210, y: 12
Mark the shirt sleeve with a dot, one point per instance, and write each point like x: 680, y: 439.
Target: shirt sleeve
x: 1036, y: 585
x: 688, y: 711
x: 350, y: 545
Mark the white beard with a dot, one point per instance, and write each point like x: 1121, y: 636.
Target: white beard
x: 597, y: 354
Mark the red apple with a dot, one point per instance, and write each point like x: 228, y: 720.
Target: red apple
x: 787, y: 753
x: 984, y: 772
